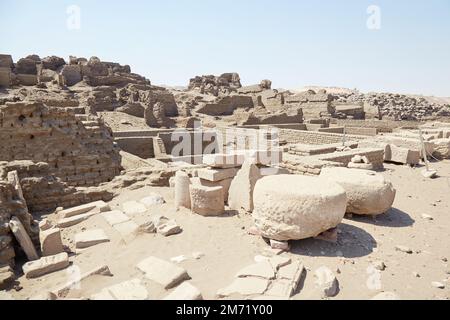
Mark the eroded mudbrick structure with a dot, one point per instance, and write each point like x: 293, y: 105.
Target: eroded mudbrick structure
x: 92, y: 155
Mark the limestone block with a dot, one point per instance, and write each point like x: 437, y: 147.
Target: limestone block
x: 71, y: 221
x: 45, y: 265
x: 23, y: 238
x: 115, y: 217
x: 401, y: 155
x: 133, y: 207
x: 225, y: 184
x: 51, y: 242
x: 182, y: 197
x: 215, y: 175
x: 127, y: 290
x: 185, y: 292
x: 101, y: 206
x: 224, y: 160
x: 207, y: 201
x: 293, y: 207
x: 245, y: 286
x: 442, y: 150
x: 261, y: 269
x: 165, y: 273
x: 368, y: 192
x: 240, y: 195
x: 90, y: 238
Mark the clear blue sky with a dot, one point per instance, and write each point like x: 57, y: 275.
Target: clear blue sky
x: 292, y: 42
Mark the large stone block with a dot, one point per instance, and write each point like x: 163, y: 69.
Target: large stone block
x: 215, y: 175
x: 51, y: 242
x: 45, y: 265
x: 240, y: 195
x: 90, y: 238
x: 293, y: 207
x: 23, y: 238
x: 207, y: 201
x: 368, y: 192
x: 165, y: 273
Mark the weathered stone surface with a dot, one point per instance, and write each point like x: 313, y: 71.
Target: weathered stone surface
x: 442, y: 149
x: 115, y: 217
x: 292, y: 272
x: 281, y: 288
x: 45, y: 265
x: 386, y: 296
x: 101, y: 206
x: 291, y: 207
x: 261, y: 269
x: 215, y: 175
x: 368, y: 193
x: 51, y: 243
x: 23, y: 238
x: 71, y: 221
x: 152, y: 200
x: 279, y: 261
x: 127, y: 290
x: 326, y: 282
x: 165, y: 273
x: 128, y: 230
x: 182, y: 195
x: 401, y: 155
x: 90, y: 238
x: 185, y: 292
x: 72, y: 74
x: 240, y: 195
x: 245, y: 286
x: 223, y: 160
x: 207, y: 201
x: 133, y: 207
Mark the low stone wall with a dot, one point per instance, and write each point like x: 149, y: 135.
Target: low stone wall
x: 314, y: 137
x: 139, y: 146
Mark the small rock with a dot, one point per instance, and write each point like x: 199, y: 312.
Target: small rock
x: 283, y: 245
x: 152, y: 200
x: 416, y: 274
x: 379, y: 265
x: 438, y: 285
x: 427, y: 217
x: 404, y: 249
x: 178, y: 259
x: 197, y: 255
x: 326, y: 281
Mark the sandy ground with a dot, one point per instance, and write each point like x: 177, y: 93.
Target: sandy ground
x: 228, y: 247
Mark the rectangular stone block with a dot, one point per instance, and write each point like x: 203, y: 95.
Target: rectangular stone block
x: 216, y: 175
x: 223, y: 160
x: 23, y: 238
x: 165, y: 273
x: 45, y: 265
x: 90, y: 238
x: 101, y: 206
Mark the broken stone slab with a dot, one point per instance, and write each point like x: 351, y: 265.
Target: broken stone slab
x: 115, y: 217
x: 182, y: 195
x: 45, y: 265
x: 128, y: 230
x: 23, y: 238
x: 45, y: 225
x: 160, y: 271
x: 295, y: 207
x: 215, y: 175
x: 169, y: 228
x: 240, y: 195
x: 326, y: 282
x: 74, y: 220
x: 90, y: 238
x: 207, y: 201
x: 185, y: 292
x: 261, y: 269
x: 402, y: 155
x: 292, y: 272
x: 281, y: 288
x: 63, y: 290
x: 51, y: 243
x: 245, y: 286
x: 152, y: 200
x: 127, y: 290
x: 100, y: 206
x: 279, y: 261
x: 386, y: 296
x: 224, y: 160
x: 133, y: 207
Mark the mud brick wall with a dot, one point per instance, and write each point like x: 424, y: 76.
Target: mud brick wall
x: 45, y: 192
x: 79, y: 154
x: 314, y: 137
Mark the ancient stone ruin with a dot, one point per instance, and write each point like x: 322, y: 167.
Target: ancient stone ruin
x: 214, y: 191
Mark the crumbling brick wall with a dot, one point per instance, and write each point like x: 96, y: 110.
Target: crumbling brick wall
x: 314, y: 137
x: 79, y: 153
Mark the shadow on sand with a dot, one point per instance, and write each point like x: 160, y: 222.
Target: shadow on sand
x: 352, y: 242
x: 394, y: 218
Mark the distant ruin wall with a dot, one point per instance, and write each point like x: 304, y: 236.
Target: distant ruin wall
x: 311, y: 137
x: 77, y: 154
